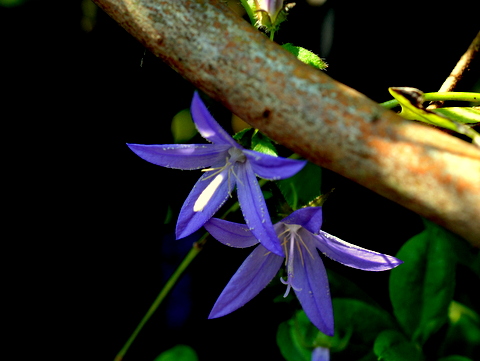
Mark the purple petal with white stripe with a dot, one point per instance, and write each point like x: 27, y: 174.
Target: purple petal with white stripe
x: 190, y: 220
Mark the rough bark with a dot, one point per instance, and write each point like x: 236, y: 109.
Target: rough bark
x: 423, y: 169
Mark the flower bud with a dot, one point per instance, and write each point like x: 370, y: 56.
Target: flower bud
x: 270, y: 7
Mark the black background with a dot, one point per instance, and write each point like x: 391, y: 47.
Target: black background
x: 89, y: 214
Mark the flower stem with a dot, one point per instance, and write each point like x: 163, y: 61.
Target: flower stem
x: 196, y: 248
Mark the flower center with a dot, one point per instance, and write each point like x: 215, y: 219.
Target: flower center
x: 220, y: 173
x: 236, y: 155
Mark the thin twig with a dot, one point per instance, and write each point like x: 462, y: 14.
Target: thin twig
x: 457, y: 73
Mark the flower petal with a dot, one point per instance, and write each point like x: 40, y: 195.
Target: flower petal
x: 354, y: 256
x: 231, y: 234
x: 309, y: 218
x: 207, y: 125
x: 190, y: 220
x: 254, y: 208
x: 181, y: 156
x: 273, y: 168
x: 254, y: 275
x: 312, y: 290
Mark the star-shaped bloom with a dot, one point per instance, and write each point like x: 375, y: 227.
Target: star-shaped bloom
x: 300, y: 237
x: 226, y: 165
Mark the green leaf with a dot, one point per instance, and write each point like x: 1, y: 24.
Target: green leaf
x: 362, y: 321
x: 263, y: 144
x: 298, y: 337
x: 178, y: 353
x: 392, y: 345
x: 421, y: 289
x: 411, y: 101
x: 303, y: 187
x: 250, y: 7
x: 306, y: 56
x: 244, y: 137
x: 464, y: 253
x: 183, y: 128
x: 309, y: 335
x: 289, y: 345
x: 251, y: 138
x: 343, y: 287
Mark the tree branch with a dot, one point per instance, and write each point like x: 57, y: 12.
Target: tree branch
x: 423, y: 169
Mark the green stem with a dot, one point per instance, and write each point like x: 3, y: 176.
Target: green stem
x: 197, y: 247
x: 440, y: 96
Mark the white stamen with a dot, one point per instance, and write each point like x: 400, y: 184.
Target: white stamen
x: 290, y: 241
x: 208, y: 192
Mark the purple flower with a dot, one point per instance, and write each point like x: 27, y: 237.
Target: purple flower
x: 300, y: 237
x: 227, y: 165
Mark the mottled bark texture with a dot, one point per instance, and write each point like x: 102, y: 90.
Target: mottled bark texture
x: 423, y: 169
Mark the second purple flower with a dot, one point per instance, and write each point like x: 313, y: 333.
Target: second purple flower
x: 301, y: 237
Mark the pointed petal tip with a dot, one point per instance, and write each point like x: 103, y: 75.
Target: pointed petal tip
x: 182, y: 232
x: 207, y: 126
x: 396, y: 262
x: 354, y: 256
x: 222, y: 308
x: 278, y: 251
x: 329, y: 331
x: 325, y: 327
x: 217, y: 313
x: 212, y: 316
